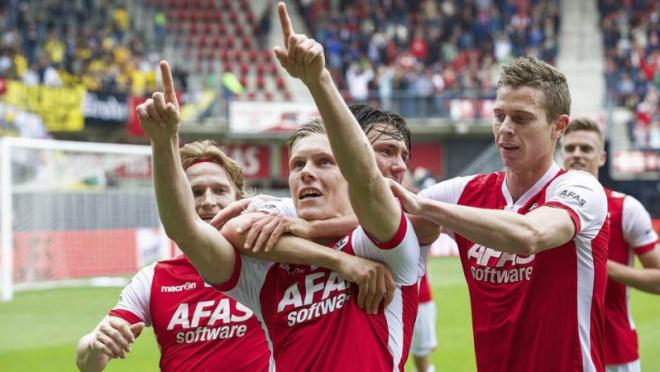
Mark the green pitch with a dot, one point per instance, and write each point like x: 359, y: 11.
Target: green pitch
x: 40, y: 329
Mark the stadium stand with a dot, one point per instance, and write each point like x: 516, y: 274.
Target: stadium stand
x: 387, y: 52
x: 88, y: 43
x: 632, y: 53
x: 225, y: 37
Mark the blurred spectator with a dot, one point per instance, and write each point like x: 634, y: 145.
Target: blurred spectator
x: 84, y: 42
x: 632, y: 53
x: 419, y: 49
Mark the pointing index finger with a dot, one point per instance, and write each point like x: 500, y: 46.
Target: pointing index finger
x: 168, y: 83
x: 285, y: 23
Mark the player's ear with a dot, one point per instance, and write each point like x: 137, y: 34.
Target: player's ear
x: 560, y: 125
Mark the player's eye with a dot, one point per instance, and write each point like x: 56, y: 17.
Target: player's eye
x: 326, y: 161
x: 298, y: 164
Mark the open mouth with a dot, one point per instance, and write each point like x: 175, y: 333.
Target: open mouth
x: 509, y: 147
x: 309, y: 193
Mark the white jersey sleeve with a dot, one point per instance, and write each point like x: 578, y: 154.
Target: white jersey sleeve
x: 245, y: 283
x: 135, y: 297
x: 283, y: 206
x: 583, y: 197
x: 636, y: 223
x: 401, y: 253
x: 448, y: 191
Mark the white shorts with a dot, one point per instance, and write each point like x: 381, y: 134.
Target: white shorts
x: 627, y: 367
x: 424, y: 339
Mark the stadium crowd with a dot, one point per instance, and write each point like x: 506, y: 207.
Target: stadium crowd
x: 84, y: 42
x: 380, y: 51
x: 632, y: 55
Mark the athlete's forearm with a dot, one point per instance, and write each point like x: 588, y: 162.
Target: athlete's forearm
x: 646, y: 279
x: 298, y: 251
x: 209, y: 252
x: 173, y: 195
x: 288, y: 249
x: 349, y: 144
x: 504, y: 231
x: 371, y: 200
x: 86, y: 359
x: 333, y: 227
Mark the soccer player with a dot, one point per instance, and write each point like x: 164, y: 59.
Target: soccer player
x: 195, y: 325
x: 532, y: 239
x: 310, y: 313
x: 631, y: 233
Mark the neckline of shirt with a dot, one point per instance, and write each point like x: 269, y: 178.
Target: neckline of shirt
x: 510, y: 205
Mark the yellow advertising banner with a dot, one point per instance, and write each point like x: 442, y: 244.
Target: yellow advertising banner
x: 59, y: 108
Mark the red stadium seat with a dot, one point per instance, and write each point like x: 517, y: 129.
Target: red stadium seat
x: 244, y: 68
x: 280, y: 83
x: 267, y: 55
x: 229, y: 43
x: 273, y: 69
x: 246, y: 41
x: 260, y: 83
x: 268, y: 96
x: 261, y: 69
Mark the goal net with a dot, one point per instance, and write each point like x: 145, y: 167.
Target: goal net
x: 75, y: 213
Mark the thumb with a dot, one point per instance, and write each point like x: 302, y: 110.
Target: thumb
x: 281, y: 55
x: 137, y: 328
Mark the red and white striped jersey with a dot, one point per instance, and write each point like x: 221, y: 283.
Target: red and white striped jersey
x: 542, y: 312
x: 631, y: 232
x: 196, y: 327
x: 311, y: 316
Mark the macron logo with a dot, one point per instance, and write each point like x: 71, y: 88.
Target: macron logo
x: 178, y: 288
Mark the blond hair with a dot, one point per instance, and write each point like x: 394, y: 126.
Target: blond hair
x: 208, y: 150
x: 584, y: 124
x: 531, y: 72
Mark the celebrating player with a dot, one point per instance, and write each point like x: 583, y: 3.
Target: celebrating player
x: 532, y: 239
x: 631, y: 233
x: 195, y: 325
x: 317, y: 155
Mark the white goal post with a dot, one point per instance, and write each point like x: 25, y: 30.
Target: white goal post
x: 75, y: 213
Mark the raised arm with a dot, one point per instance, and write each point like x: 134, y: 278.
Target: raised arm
x: 374, y: 206
x: 211, y: 254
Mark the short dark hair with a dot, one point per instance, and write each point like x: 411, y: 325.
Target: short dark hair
x: 368, y: 116
x: 314, y: 126
x: 531, y: 72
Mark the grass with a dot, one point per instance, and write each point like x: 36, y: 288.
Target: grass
x: 40, y: 329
